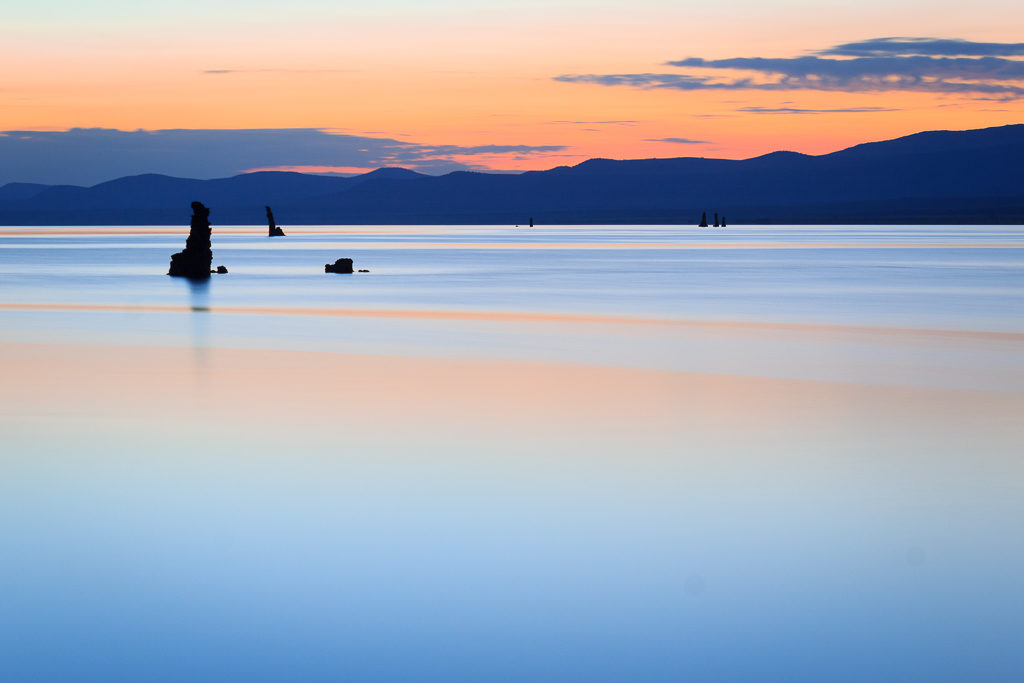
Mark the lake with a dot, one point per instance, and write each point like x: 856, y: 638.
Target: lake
x: 568, y: 453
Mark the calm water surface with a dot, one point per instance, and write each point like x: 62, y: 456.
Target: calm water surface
x: 580, y: 453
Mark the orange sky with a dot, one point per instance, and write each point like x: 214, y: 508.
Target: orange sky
x: 472, y: 73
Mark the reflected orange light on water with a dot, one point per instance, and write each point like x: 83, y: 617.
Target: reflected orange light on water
x: 512, y: 317
x: 378, y: 396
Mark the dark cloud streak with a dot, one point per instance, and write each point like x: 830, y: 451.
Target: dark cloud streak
x: 879, y: 65
x: 992, y: 68
x: 934, y: 47
x: 858, y: 84
x: 83, y: 156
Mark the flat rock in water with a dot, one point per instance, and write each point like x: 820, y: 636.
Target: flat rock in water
x: 342, y: 265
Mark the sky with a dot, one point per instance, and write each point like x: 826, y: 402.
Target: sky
x: 94, y: 91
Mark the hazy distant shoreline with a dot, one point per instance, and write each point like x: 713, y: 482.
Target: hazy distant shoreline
x: 941, y: 177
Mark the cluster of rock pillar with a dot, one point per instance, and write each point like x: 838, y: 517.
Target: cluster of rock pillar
x: 704, y: 220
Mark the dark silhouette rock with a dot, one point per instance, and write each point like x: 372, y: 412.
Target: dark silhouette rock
x: 194, y: 261
x: 716, y: 219
x: 222, y: 270
x: 364, y: 271
x: 703, y: 220
x: 723, y: 220
x: 273, y: 230
x: 342, y: 265
x: 531, y: 221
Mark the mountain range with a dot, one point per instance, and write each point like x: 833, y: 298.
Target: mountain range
x: 973, y: 176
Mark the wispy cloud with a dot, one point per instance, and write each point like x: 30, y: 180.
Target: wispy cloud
x: 621, y: 122
x: 839, y: 72
x: 795, y: 110
x: 86, y: 156
x: 277, y: 70
x: 878, y: 65
x: 945, y: 47
x: 679, y: 141
x: 457, y: 150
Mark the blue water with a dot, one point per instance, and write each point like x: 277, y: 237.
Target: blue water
x: 814, y: 476
x: 951, y: 277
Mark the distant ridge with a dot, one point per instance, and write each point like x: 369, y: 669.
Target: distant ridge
x: 973, y: 176
x: 20, y: 191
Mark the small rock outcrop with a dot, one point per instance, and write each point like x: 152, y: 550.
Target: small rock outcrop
x: 531, y: 221
x: 342, y: 265
x: 703, y: 220
x: 273, y: 230
x: 723, y: 220
x: 222, y: 270
x: 194, y: 261
x: 716, y: 219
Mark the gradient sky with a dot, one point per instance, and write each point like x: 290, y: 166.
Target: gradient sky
x: 501, y: 84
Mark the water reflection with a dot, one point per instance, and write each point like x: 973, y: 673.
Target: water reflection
x: 177, y: 508
x: 199, y: 299
x: 405, y: 519
x: 199, y: 295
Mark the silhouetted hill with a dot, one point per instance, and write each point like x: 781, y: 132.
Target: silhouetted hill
x: 392, y: 172
x: 158, y: 191
x: 974, y: 176
x: 20, y: 191
x: 937, y: 141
